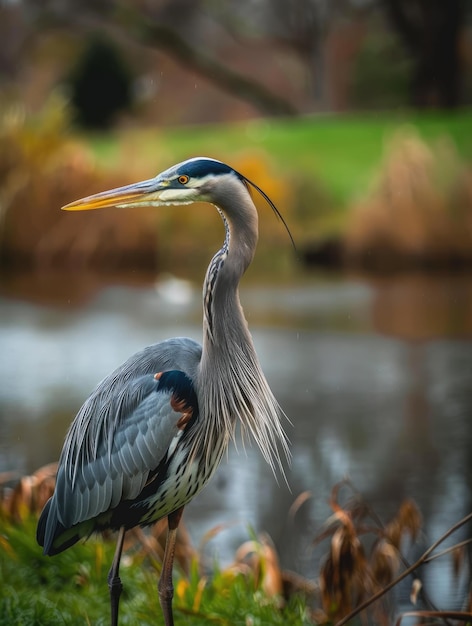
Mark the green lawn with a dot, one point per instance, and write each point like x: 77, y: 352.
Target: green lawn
x: 342, y: 152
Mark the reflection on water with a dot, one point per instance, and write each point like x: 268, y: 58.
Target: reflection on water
x: 375, y: 378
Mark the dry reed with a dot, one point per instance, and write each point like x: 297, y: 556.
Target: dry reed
x: 41, y: 169
x: 419, y: 210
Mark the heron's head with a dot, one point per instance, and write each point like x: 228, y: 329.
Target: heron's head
x: 200, y: 179
x: 193, y: 180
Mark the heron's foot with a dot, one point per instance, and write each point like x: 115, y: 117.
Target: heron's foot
x: 116, y: 587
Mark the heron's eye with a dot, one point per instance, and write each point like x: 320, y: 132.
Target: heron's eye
x: 183, y: 180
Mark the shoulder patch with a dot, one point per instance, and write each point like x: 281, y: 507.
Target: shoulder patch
x: 179, y: 384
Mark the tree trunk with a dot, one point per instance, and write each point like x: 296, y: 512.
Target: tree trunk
x: 430, y: 29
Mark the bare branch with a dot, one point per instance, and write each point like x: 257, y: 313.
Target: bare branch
x: 423, y: 558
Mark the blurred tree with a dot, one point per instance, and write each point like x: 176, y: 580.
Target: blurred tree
x: 301, y: 25
x: 161, y: 37
x: 430, y: 30
x: 166, y: 25
x: 14, y: 31
x: 371, y: 87
x: 100, y: 84
x: 325, y: 36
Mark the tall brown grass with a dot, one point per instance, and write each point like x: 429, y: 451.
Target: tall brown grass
x: 43, y: 168
x: 418, y: 211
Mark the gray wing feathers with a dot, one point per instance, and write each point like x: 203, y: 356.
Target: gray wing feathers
x: 139, y: 444
x: 121, y: 433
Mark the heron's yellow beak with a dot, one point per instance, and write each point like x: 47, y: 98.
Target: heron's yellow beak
x: 142, y: 193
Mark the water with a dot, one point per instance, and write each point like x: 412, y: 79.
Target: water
x: 375, y: 377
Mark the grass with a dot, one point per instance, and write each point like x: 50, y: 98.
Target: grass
x: 315, y: 169
x: 364, y: 559
x: 71, y: 589
x: 341, y: 153
x: 418, y: 212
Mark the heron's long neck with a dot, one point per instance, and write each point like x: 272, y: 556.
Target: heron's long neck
x: 222, y: 312
x: 224, y: 321
x: 232, y: 384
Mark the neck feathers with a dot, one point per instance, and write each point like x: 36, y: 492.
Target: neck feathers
x: 232, y: 382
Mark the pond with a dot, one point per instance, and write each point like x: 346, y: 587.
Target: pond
x: 375, y: 376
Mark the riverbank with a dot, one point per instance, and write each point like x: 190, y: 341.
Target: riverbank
x: 355, y: 187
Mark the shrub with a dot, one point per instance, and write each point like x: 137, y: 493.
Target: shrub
x: 100, y: 84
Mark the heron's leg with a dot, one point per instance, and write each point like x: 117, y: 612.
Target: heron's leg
x: 114, y: 580
x: 165, y: 586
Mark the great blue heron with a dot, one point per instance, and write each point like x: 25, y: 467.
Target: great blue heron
x: 153, y: 432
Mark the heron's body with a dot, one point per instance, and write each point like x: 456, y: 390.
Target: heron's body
x: 93, y: 490
x: 152, y: 433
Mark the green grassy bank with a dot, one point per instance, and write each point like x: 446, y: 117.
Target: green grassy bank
x: 409, y: 173
x: 71, y: 589
x: 341, y: 152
